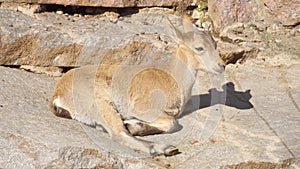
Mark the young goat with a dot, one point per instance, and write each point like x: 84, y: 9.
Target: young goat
x: 154, y: 98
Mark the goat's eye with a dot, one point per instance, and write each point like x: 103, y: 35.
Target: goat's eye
x: 199, y: 48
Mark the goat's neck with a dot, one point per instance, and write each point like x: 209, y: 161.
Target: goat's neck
x: 188, y: 58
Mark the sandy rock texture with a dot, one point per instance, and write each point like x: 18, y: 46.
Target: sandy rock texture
x: 50, y: 39
x: 287, y: 12
x: 224, y: 13
x: 106, y: 3
x: 258, y: 126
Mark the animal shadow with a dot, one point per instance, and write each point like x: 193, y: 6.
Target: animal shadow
x: 237, y: 99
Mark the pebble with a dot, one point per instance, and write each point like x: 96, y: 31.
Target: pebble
x: 59, y: 12
x: 294, y: 31
x: 277, y: 40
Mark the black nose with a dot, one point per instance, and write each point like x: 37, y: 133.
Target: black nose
x: 222, y: 66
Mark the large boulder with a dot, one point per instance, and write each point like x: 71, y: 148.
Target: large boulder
x: 224, y: 13
x: 258, y: 126
x: 50, y: 39
x: 101, y: 3
x: 286, y: 11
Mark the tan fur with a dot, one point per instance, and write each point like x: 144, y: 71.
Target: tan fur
x: 143, y: 85
x: 96, y: 95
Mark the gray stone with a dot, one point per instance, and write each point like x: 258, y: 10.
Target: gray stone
x: 261, y: 125
x: 257, y: 126
x: 232, y: 53
x: 32, y: 137
x: 49, y: 39
x: 57, y: 40
x: 224, y: 13
x: 103, y: 3
x: 271, y: 44
x: 286, y: 11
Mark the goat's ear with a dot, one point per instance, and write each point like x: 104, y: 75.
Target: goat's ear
x: 209, y: 35
x: 171, y: 31
x: 187, y: 25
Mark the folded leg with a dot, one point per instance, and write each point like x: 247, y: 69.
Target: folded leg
x: 113, y: 124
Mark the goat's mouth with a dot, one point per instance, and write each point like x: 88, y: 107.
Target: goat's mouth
x: 220, y: 68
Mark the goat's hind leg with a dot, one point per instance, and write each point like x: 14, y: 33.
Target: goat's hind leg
x: 114, y: 125
x: 163, y: 124
x: 137, y: 127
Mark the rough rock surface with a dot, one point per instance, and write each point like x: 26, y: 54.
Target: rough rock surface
x: 103, y: 3
x: 224, y: 13
x: 31, y: 137
x: 286, y: 11
x: 260, y: 123
x: 50, y: 39
x: 272, y: 43
x: 260, y: 120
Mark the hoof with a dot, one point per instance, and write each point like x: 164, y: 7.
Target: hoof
x: 171, y: 150
x: 167, y: 151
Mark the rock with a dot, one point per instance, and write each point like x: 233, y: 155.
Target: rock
x: 101, y: 3
x: 237, y: 32
x: 60, y: 12
x: 112, y: 16
x: 28, y: 9
x: 50, y: 39
x: 240, y: 42
x: 26, y: 41
x: 51, y: 71
x: 273, y: 44
x: 232, y: 53
x: 286, y: 11
x: 287, y: 164
x: 259, y: 120
x: 32, y: 137
x: 258, y: 125
x: 67, y: 41
x: 224, y: 13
